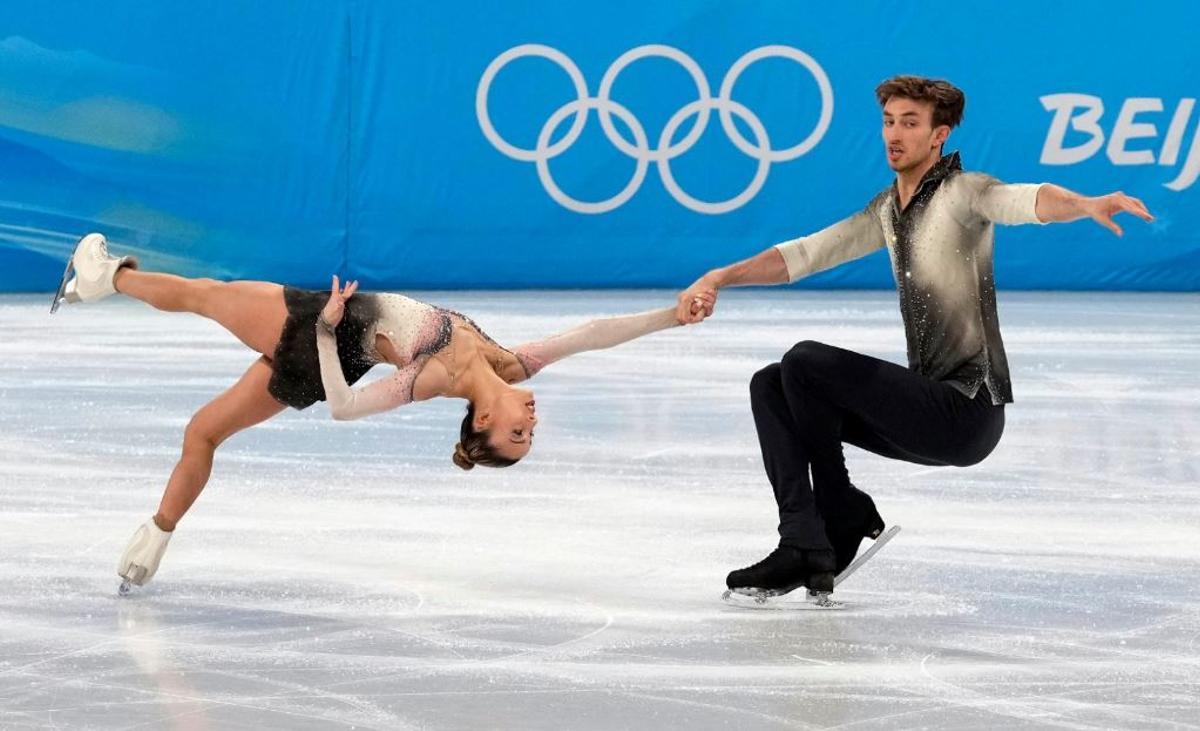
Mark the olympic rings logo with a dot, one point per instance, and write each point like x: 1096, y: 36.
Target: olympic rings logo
x: 639, y: 149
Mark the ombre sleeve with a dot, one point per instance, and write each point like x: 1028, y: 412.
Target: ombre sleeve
x: 1006, y: 203
x: 845, y: 240
x: 346, y: 403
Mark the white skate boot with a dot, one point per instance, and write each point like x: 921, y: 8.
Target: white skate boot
x: 90, y: 272
x: 141, y: 557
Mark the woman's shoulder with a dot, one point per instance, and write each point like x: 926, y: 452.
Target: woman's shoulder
x: 515, y: 367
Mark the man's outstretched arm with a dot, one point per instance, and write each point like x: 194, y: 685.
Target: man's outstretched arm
x: 847, y: 239
x: 697, y: 301
x: 1059, y: 205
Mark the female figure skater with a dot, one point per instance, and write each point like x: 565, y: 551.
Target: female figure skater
x: 313, y: 346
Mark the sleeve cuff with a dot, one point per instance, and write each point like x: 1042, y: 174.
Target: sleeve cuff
x: 794, y: 258
x: 1030, y: 195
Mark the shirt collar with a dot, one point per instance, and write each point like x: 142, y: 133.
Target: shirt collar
x: 948, y: 164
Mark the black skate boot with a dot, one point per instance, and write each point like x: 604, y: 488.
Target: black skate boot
x: 854, y: 519
x: 787, y: 568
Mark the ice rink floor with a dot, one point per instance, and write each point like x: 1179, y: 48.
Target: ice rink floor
x: 347, y: 575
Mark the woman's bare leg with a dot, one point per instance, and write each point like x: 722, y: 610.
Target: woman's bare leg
x: 253, y: 311
x: 245, y: 404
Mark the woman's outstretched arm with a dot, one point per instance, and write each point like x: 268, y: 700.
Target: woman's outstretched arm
x: 595, y: 335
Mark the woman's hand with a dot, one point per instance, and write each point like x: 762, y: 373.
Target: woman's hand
x: 335, y: 308
x: 695, y: 304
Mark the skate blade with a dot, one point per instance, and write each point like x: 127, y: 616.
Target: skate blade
x: 866, y: 555
x: 68, y: 274
x: 124, y: 588
x: 776, y: 600
x: 61, y: 294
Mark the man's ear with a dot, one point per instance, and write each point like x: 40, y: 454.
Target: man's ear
x: 940, y: 133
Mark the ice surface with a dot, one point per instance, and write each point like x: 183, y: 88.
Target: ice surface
x: 338, y: 575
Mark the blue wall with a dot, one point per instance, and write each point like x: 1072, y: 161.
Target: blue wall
x: 289, y: 139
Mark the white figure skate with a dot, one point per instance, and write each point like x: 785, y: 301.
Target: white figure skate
x: 141, y: 557
x: 90, y: 271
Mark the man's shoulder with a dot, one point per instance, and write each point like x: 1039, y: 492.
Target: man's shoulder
x: 959, y: 192
x: 970, y: 179
x: 962, y: 187
x: 882, y: 198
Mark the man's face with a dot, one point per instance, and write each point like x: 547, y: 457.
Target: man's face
x: 909, y: 137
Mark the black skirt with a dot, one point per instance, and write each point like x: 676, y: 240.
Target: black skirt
x: 296, y: 380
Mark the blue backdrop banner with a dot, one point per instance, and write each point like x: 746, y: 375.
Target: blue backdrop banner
x: 540, y: 144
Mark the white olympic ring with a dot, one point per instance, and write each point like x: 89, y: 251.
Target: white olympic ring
x: 640, y: 150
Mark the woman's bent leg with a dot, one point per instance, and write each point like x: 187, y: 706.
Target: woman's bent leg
x: 245, y: 404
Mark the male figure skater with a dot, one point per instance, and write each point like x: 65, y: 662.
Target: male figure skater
x: 947, y: 407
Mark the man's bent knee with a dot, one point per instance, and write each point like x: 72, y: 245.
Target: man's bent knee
x: 765, y: 382
x: 806, y: 350
x: 806, y: 357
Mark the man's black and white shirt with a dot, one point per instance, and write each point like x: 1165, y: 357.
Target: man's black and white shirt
x: 941, y: 251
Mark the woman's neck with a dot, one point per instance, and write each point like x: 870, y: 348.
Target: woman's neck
x: 476, y: 381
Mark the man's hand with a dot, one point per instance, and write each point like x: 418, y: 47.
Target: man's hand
x: 1102, y: 208
x: 696, y: 302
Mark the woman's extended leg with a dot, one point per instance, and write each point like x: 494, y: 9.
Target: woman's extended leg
x: 245, y: 404
x: 253, y: 311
